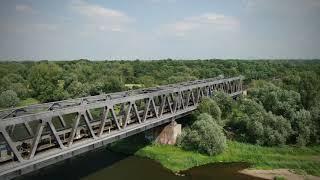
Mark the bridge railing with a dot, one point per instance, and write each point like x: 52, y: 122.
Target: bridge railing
x: 36, y: 132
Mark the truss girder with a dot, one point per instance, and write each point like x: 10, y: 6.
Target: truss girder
x: 115, y: 114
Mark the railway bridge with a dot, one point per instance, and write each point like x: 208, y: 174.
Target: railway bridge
x: 36, y: 136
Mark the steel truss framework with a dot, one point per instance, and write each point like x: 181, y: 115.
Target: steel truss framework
x: 38, y: 133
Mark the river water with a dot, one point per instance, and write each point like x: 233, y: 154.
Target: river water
x: 104, y: 164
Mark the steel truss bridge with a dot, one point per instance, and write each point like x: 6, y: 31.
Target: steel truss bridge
x: 39, y: 135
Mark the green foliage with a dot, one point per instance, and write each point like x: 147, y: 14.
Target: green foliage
x: 8, y: 99
x: 251, y: 123
x: 259, y: 157
x: 307, y: 84
x: 147, y: 81
x: 302, y: 126
x: 28, y: 101
x: 210, y: 107
x: 285, y: 91
x: 77, y: 89
x: 287, y: 104
x: 46, y: 81
x: 224, y: 102
x: 15, y: 83
x: 315, y: 117
x: 278, y: 101
x: 204, y: 135
x: 279, y: 178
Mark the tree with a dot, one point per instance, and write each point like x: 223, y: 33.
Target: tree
x: 77, y: 89
x: 315, y: 117
x: 46, y: 81
x: 8, y: 99
x: 205, y: 136
x: 112, y: 84
x: 309, y: 88
x: 21, y: 90
x: 147, y: 81
x: 16, y: 83
x: 225, y: 103
x: 251, y: 123
x: 210, y: 107
x: 278, y: 101
x: 302, y: 126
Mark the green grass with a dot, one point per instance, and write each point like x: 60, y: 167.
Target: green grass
x: 28, y: 101
x: 25, y: 102
x: 302, y: 160
x: 279, y: 178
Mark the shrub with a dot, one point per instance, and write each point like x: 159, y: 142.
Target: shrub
x: 225, y: 103
x: 204, y: 136
x: 302, y: 126
x: 8, y: 98
x: 210, y: 107
x: 253, y: 124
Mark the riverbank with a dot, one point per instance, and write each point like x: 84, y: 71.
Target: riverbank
x: 277, y: 174
x: 304, y: 160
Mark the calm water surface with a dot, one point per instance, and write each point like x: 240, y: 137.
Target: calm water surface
x: 104, y: 164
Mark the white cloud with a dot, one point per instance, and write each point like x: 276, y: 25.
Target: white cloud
x: 102, y: 17
x: 24, y: 8
x: 211, y: 21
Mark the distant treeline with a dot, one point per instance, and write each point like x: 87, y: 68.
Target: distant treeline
x: 283, y: 105
x: 52, y: 81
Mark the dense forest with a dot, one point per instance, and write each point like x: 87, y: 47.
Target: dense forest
x: 282, y: 106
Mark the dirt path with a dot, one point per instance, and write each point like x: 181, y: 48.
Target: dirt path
x: 271, y: 174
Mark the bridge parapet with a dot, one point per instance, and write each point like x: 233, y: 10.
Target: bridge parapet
x: 42, y: 134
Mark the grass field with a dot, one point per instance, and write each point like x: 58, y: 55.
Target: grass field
x: 302, y: 160
x: 27, y: 102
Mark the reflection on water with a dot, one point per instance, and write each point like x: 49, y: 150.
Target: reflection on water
x: 104, y: 164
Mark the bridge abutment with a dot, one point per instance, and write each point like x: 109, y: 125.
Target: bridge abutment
x: 166, y: 134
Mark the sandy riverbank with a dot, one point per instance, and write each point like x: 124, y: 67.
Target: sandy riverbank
x: 271, y: 174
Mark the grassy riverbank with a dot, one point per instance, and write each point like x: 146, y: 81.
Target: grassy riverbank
x: 302, y: 160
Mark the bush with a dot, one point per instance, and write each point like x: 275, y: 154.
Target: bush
x: 302, y: 126
x: 8, y: 98
x: 210, y: 107
x: 204, y: 136
x: 251, y: 123
x: 225, y: 103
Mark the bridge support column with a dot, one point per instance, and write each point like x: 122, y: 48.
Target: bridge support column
x: 166, y: 134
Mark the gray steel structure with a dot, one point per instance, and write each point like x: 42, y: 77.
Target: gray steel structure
x: 56, y: 131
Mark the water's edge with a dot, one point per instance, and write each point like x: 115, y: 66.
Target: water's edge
x: 103, y: 163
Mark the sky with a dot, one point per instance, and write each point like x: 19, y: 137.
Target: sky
x: 159, y: 29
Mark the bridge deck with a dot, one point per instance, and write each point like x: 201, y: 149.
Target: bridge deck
x: 43, y: 134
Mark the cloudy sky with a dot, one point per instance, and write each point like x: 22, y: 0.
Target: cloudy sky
x: 155, y: 29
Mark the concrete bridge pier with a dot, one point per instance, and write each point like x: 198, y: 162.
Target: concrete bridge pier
x: 165, y: 134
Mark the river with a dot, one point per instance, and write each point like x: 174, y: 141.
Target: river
x: 104, y: 164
